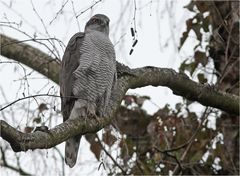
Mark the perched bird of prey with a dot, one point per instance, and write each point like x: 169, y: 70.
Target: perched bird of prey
x: 87, y: 77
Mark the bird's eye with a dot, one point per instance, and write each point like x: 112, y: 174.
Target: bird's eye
x: 98, y: 21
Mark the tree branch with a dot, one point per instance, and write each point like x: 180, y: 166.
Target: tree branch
x: 180, y: 84
x: 110, y: 156
x: 30, y: 56
x: 4, y: 163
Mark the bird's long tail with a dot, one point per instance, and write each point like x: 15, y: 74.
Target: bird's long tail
x: 71, y: 150
x: 79, y: 110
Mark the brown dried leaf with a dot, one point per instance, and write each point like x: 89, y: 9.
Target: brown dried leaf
x: 96, y: 149
x: 28, y: 129
x: 190, y: 6
x: 185, y: 34
x: 108, y: 138
x: 202, y: 6
x: 128, y: 100
x: 42, y: 107
x: 37, y: 120
x: 201, y: 78
x: 200, y: 57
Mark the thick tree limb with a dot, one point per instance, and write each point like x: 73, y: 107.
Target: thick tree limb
x: 180, y: 84
x: 46, y: 139
x: 30, y: 56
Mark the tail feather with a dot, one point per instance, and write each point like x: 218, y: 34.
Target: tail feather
x: 80, y: 109
x: 71, y: 150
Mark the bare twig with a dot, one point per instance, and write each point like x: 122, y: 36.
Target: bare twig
x: 63, y: 161
x: 31, y: 38
x: 34, y: 40
x: 27, y: 97
x: 23, y: 19
x: 110, y: 156
x: 191, y: 140
x: 4, y: 163
x: 95, y: 3
x: 59, y: 11
x: 101, y: 164
x: 172, y: 156
x: 45, y: 28
x: 75, y: 15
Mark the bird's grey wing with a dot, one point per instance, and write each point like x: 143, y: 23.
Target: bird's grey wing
x: 68, y: 65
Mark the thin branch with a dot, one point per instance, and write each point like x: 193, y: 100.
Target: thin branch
x: 62, y: 158
x: 59, y: 12
x: 174, y: 149
x: 191, y: 140
x: 138, y: 163
x: 4, y: 163
x: 34, y: 40
x: 172, y: 156
x: 101, y: 164
x: 75, y: 15
x: 95, y: 3
x: 187, y: 142
x: 37, y: 41
x: 30, y: 56
x: 45, y: 28
x: 27, y: 97
x: 110, y: 156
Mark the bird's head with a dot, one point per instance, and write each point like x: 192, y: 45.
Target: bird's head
x: 98, y: 22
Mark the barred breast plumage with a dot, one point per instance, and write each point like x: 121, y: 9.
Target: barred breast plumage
x: 95, y: 75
